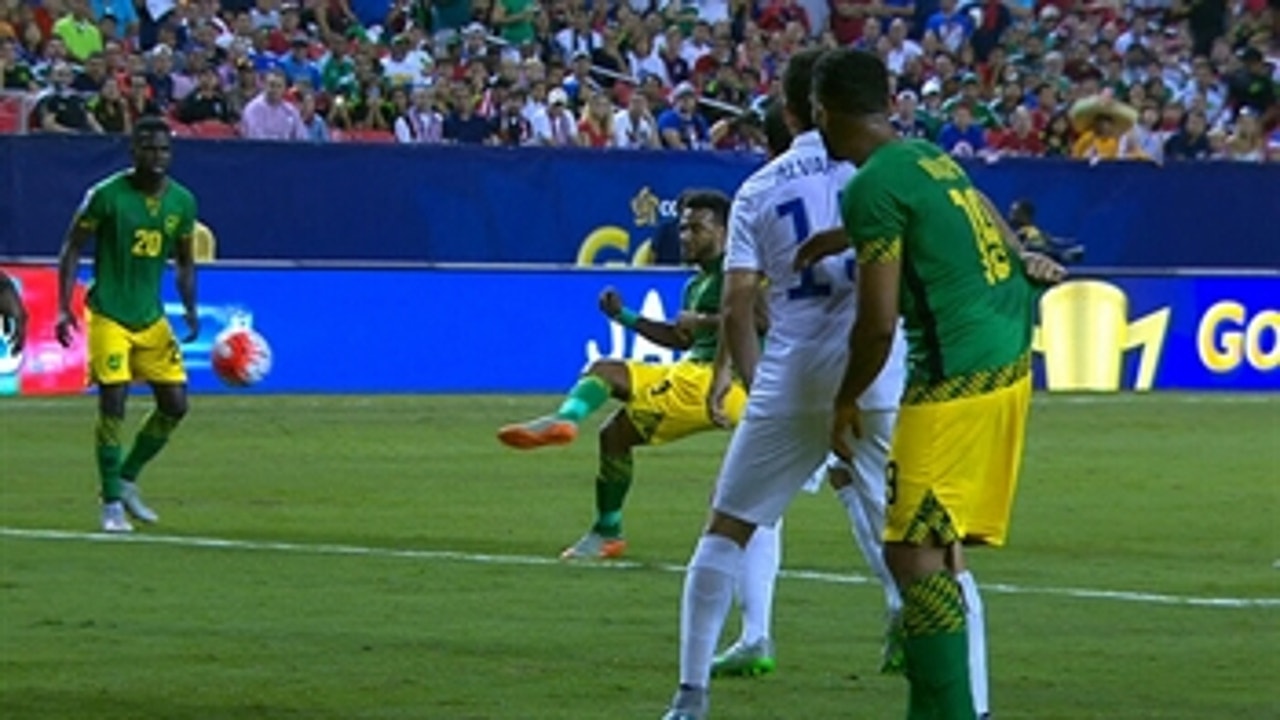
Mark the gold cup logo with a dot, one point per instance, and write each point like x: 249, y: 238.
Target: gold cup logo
x: 1084, y: 333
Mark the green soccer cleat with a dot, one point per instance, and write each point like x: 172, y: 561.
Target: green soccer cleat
x: 745, y: 660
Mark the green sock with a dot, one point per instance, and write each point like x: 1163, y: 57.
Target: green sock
x: 585, y: 398
x: 937, y: 649
x: 107, y: 444
x: 152, y: 436
x: 612, y: 485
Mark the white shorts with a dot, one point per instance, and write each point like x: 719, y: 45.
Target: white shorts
x: 769, y: 460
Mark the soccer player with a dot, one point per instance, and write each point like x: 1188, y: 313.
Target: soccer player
x: 138, y: 219
x: 859, y: 485
x: 934, y: 251
x: 782, y: 436
x: 12, y: 310
x: 662, y: 403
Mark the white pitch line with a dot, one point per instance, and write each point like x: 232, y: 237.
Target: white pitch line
x: 529, y: 560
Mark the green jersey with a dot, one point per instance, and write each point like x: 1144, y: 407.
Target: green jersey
x: 702, y: 295
x: 134, y: 237
x: 965, y: 301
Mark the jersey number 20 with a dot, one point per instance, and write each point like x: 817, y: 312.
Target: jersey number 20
x: 809, y: 286
x: 991, y: 247
x: 147, y: 243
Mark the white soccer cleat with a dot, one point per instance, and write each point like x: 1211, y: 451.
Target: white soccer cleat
x: 133, y: 504
x: 113, y: 518
x: 689, y: 703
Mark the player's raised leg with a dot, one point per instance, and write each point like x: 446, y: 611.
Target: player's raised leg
x: 618, y: 437
x: 752, y: 653
x: 602, y: 380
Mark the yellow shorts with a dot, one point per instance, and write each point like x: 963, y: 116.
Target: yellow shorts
x: 953, y: 470
x: 120, y: 355
x: 669, y: 402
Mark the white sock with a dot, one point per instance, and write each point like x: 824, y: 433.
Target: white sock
x: 977, y: 631
x: 708, y: 591
x: 867, y: 518
x: 756, y: 581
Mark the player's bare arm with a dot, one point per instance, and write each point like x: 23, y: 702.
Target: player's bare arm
x: 821, y: 245
x: 869, y: 344
x: 185, y: 262
x: 667, y: 335
x: 1039, y: 267
x: 738, y: 327
x: 77, y: 238
x: 11, y: 307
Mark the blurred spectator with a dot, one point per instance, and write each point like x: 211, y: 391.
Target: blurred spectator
x: 405, y: 65
x: 1147, y: 136
x: 554, y: 125
x: 421, y: 123
x: 512, y: 128
x: 138, y: 98
x: 635, y: 128
x: 578, y: 36
x: 206, y: 102
x: 269, y: 117
x: 110, y: 109
x: 78, y: 31
x: 62, y: 110
x: 961, y: 137
x: 952, y: 27
x: 1192, y: 141
x: 1101, y: 123
x: 1021, y: 139
x: 160, y: 78
x: 1253, y: 86
x: 595, y: 128
x: 297, y: 66
x: 91, y: 76
x: 905, y: 120
x: 514, y: 20
x: 902, y: 50
x: 1057, y: 136
x: 464, y: 126
x: 1247, y: 143
x: 682, y: 126
x: 122, y: 12
x: 317, y: 129
x: 15, y: 73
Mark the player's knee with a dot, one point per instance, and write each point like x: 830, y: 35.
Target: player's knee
x: 613, y: 373
x: 173, y: 405
x: 618, y: 435
x: 111, y: 400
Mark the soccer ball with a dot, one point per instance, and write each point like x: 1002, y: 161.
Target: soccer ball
x: 241, y: 357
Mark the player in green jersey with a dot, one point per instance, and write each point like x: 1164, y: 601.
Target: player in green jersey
x: 933, y: 250
x: 138, y: 220
x: 13, y: 316
x: 662, y: 403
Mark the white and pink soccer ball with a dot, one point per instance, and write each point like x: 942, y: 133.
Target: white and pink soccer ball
x: 241, y: 357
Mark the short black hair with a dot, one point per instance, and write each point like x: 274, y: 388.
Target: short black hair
x: 149, y: 124
x: 776, y: 132
x: 714, y: 200
x: 852, y: 82
x: 797, y: 85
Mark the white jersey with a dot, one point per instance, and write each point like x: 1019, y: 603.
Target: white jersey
x: 810, y: 312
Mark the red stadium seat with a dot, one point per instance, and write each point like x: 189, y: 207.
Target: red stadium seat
x: 10, y: 114
x: 179, y: 129
x: 366, y: 136
x: 213, y: 129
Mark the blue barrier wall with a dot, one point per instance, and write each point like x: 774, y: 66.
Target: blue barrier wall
x: 447, y: 331
x: 447, y: 204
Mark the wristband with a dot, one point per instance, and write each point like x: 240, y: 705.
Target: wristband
x: 627, y: 318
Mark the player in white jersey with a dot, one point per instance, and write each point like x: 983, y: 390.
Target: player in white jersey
x: 859, y: 487
x: 785, y: 430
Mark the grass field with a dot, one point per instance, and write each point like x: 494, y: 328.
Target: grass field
x: 438, y: 603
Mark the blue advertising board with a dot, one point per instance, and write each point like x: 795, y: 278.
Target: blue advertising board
x: 518, y: 331
x: 306, y: 202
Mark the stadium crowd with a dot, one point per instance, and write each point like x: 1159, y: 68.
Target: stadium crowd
x: 1151, y: 79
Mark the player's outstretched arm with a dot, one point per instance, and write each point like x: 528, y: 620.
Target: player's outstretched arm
x: 11, y: 307
x: 68, y: 263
